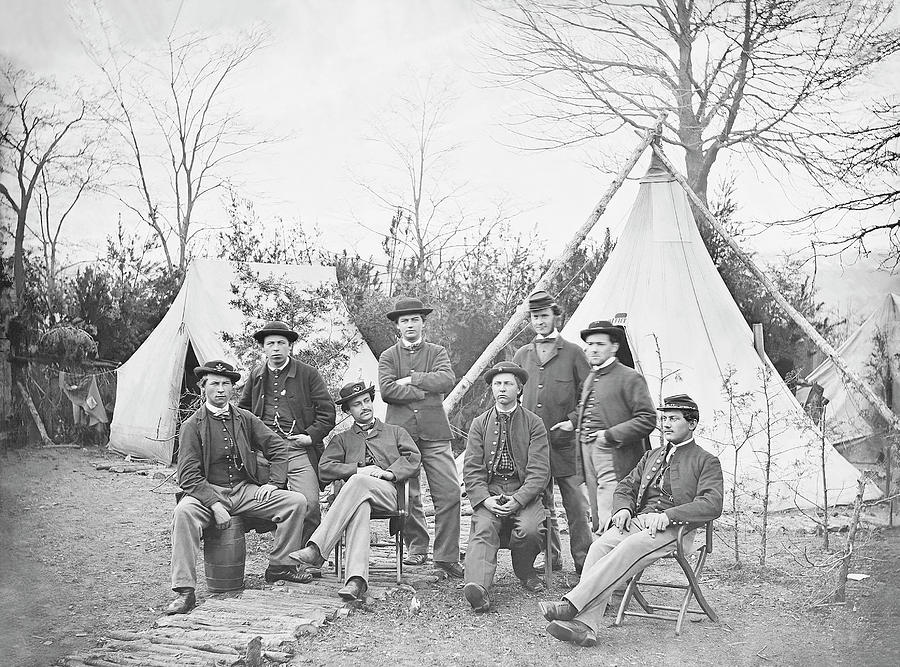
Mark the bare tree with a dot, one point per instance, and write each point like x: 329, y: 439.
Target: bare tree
x: 763, y: 77
x: 41, y: 129
x: 179, y: 135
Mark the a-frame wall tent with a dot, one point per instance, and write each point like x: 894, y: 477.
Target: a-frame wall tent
x: 149, y: 384
x: 688, y: 335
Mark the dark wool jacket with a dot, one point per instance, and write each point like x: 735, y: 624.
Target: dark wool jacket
x: 392, y: 447
x: 552, y: 393
x: 530, y: 451
x: 306, y: 395
x: 696, y: 478
x: 419, y: 406
x: 251, y: 436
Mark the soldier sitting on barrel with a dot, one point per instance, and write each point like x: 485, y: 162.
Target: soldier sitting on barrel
x: 219, y: 478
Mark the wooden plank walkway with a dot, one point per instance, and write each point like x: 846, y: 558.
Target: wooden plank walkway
x: 250, y: 628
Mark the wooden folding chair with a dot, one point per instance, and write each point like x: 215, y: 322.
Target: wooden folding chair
x: 691, y: 588
x: 397, y: 520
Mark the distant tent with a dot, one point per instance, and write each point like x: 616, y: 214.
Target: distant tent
x: 873, y: 351
x: 150, y: 384
x: 687, y: 335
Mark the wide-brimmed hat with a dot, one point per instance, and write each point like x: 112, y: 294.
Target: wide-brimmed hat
x: 353, y: 389
x: 615, y: 333
x: 506, y: 367
x: 408, y: 306
x: 276, y: 329
x: 680, y: 402
x: 539, y: 300
x: 217, y: 367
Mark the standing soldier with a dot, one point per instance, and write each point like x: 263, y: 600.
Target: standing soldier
x: 291, y: 398
x: 413, y: 376
x: 558, y: 369
x: 615, y: 416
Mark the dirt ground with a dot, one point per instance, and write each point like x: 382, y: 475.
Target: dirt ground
x: 83, y: 551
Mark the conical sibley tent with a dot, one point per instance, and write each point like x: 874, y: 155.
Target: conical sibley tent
x: 149, y: 384
x: 870, y: 351
x: 687, y: 335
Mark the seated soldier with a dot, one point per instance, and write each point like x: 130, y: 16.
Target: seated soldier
x: 370, y: 456
x: 506, y: 469
x: 679, y: 483
x: 218, y: 476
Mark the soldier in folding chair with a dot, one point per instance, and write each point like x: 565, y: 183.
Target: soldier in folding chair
x: 671, y: 490
x: 370, y: 457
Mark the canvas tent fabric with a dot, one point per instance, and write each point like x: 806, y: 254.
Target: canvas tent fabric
x: 849, y: 415
x: 688, y: 335
x: 149, y: 384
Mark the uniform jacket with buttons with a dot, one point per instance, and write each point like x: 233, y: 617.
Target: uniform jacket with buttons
x: 530, y: 451
x: 306, y: 395
x: 696, y: 479
x: 418, y: 406
x: 552, y: 393
x: 251, y: 436
x: 391, y: 446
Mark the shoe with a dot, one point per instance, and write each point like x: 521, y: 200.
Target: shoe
x: 182, y: 604
x: 415, y: 559
x: 309, y: 556
x: 558, y: 610
x: 533, y: 584
x: 354, y: 590
x: 294, y: 573
x: 573, y: 631
x: 453, y: 570
x: 478, y: 597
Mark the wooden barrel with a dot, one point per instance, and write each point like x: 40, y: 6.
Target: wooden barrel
x: 224, y: 552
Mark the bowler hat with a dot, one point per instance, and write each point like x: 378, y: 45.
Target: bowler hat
x: 539, y: 300
x: 506, y: 367
x: 217, y: 367
x: 616, y: 334
x: 407, y: 305
x: 353, y: 389
x: 680, y: 402
x: 276, y: 329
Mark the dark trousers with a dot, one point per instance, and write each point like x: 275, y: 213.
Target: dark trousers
x: 571, y: 489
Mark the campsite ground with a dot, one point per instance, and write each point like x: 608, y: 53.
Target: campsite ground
x: 83, y: 551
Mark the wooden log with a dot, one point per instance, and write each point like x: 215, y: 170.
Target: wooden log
x: 509, y: 330
x: 35, y: 417
x: 172, y: 647
x: 125, y: 636
x: 277, y: 656
x: 236, y: 640
x: 789, y: 310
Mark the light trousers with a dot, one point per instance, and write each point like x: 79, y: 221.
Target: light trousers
x: 440, y: 470
x: 303, y: 477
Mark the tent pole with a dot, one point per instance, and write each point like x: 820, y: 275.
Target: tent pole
x: 509, y: 329
x: 791, y: 312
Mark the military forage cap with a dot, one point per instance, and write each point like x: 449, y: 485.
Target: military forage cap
x: 539, y: 300
x: 217, y: 367
x: 276, y: 329
x: 679, y: 402
x: 506, y: 367
x: 353, y: 389
x: 408, y: 306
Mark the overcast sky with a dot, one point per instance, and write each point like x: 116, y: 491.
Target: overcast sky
x: 329, y: 77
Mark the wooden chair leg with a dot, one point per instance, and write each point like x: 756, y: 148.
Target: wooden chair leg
x: 398, y: 551
x: 339, y: 559
x: 548, y: 550
x: 692, y: 575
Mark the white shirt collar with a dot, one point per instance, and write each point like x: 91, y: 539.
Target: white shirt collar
x: 605, y: 363
x: 505, y: 412
x: 213, y: 410
x: 550, y: 336
x: 280, y: 368
x: 414, y: 343
x: 674, y: 447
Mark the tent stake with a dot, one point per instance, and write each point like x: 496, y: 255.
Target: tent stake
x: 791, y: 312
x: 509, y: 329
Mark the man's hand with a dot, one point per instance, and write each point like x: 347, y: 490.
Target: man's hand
x: 402, y: 382
x: 371, y: 471
x: 563, y: 426
x: 263, y: 492
x: 600, y: 437
x: 221, y: 516
x: 301, y: 438
x: 492, y: 504
x: 622, y: 520
x: 510, y: 507
x: 655, y: 522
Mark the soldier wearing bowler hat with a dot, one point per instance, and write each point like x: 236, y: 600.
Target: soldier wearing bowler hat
x: 506, y: 469
x: 370, y: 457
x: 615, y: 416
x: 413, y: 376
x: 219, y: 478
x: 680, y: 483
x: 292, y: 399
x: 558, y: 369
